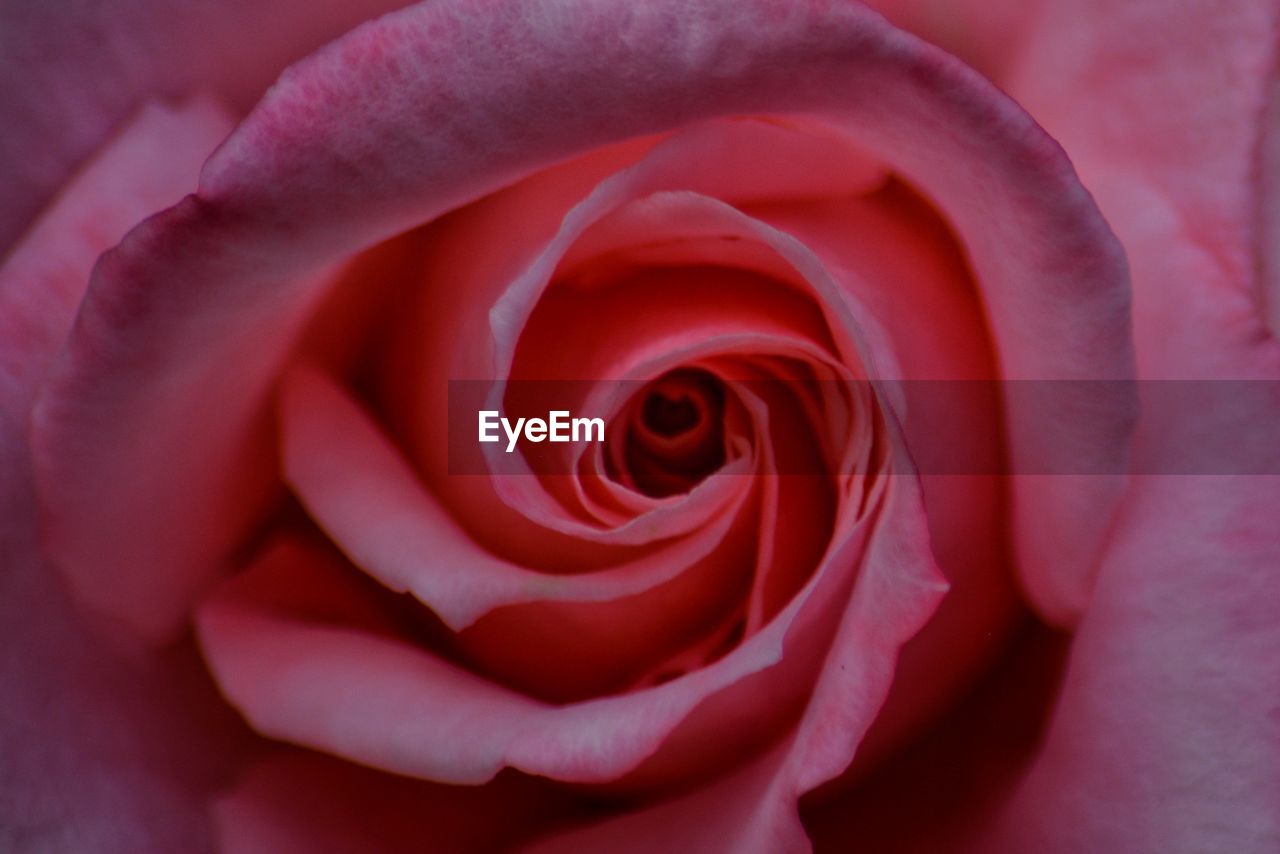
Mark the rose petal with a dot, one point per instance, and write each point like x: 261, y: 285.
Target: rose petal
x: 754, y: 809
x: 891, y: 252
x: 1180, y: 626
x: 990, y: 35
x: 734, y: 813
x: 1167, y: 733
x: 99, y: 752
x: 407, y: 710
x: 152, y: 162
x: 574, y: 630
x: 153, y: 454
x: 76, y: 71
x: 301, y: 803
x: 1268, y: 226
x: 1179, y: 185
x: 806, y: 160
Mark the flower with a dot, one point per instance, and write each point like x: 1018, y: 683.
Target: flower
x: 800, y: 262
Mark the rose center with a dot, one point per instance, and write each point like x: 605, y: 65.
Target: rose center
x: 674, y: 433
x: 670, y: 416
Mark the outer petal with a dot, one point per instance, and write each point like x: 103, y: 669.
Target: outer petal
x: 1166, y: 130
x: 98, y: 753
x: 72, y: 71
x: 152, y: 450
x: 1167, y: 736
x: 1268, y: 204
x: 333, y: 160
x: 151, y: 164
x: 987, y: 34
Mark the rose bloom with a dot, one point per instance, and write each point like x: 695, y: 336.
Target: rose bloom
x: 259, y: 596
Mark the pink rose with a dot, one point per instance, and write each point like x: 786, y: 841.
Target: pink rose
x: 262, y: 595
